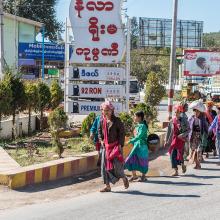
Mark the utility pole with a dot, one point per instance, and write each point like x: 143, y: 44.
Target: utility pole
x: 128, y: 63
x: 1, y: 41
x: 172, y: 61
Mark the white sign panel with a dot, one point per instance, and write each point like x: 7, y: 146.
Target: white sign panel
x: 96, y: 91
x: 98, y: 32
x: 201, y: 63
x: 97, y: 73
x: 84, y: 108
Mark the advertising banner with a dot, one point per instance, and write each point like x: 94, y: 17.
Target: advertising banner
x: 86, y: 107
x: 201, y: 63
x: 97, y: 73
x: 34, y: 51
x: 98, y: 31
x: 96, y: 91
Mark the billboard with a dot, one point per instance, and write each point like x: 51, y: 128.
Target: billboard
x: 86, y: 107
x: 201, y: 63
x: 97, y: 73
x: 98, y: 31
x: 52, y: 51
x: 156, y: 32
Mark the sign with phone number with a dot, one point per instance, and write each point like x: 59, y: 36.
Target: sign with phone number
x: 97, y: 73
x: 96, y: 91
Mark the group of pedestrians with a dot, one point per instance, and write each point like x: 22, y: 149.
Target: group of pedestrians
x: 187, y: 139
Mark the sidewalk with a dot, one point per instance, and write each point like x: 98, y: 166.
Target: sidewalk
x: 6, y: 162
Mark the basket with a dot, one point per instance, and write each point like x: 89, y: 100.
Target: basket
x: 153, y: 142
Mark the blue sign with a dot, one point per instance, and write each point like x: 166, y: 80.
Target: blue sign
x: 53, y: 52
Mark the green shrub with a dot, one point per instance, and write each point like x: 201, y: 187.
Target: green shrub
x: 87, y: 124
x: 127, y: 121
x: 149, y: 111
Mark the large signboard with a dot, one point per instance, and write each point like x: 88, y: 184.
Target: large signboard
x: 98, y: 31
x: 201, y: 63
x: 86, y: 107
x: 96, y: 91
x: 96, y: 73
x: 156, y: 32
x: 34, y: 51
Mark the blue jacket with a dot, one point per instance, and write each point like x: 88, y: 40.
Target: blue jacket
x: 94, y: 128
x: 215, y: 125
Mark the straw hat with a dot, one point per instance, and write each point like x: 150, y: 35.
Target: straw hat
x: 198, y: 105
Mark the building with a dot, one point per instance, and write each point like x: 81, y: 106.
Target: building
x: 23, y: 52
x: 16, y: 30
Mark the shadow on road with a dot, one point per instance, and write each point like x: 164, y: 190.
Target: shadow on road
x: 201, y: 177
x: 177, y: 183
x: 160, y: 195
x: 210, y: 169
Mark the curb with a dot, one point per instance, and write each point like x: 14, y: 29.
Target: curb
x: 49, y: 171
x: 57, y: 169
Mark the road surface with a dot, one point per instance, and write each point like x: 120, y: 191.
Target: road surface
x: 195, y: 196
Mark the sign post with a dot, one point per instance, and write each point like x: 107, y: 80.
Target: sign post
x: 98, y: 39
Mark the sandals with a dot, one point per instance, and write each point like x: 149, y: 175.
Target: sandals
x: 126, y: 183
x: 197, y: 167
x: 175, y: 173
x: 133, y: 179
x: 184, y: 168
x: 143, y: 179
x: 106, y: 189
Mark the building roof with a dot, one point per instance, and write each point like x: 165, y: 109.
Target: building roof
x: 24, y: 20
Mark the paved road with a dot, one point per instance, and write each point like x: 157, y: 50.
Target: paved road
x: 193, y: 196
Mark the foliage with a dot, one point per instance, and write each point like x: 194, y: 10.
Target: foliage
x: 127, y: 121
x: 44, y: 98
x: 134, y: 33
x: 87, y: 124
x: 154, y: 91
x: 5, y: 97
x: 56, y: 94
x: 149, y: 111
x: 144, y: 61
x: 43, y: 11
x: 31, y: 94
x: 18, y: 101
x: 211, y: 40
x: 178, y: 96
x: 57, y: 121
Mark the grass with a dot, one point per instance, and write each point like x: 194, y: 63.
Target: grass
x: 46, y: 152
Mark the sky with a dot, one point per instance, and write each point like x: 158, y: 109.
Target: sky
x: 201, y: 10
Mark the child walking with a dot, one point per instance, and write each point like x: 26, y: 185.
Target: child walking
x: 138, y: 158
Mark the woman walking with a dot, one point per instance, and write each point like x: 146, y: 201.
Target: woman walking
x: 138, y: 158
x: 175, y: 139
x: 112, y: 136
x: 215, y: 127
x: 198, y: 132
x: 210, y: 116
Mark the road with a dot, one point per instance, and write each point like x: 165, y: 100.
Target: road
x: 195, y: 195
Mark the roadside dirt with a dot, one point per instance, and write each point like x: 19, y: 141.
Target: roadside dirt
x: 68, y: 188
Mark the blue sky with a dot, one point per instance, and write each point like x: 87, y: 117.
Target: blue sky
x: 202, y: 10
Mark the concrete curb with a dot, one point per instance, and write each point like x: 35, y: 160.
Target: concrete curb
x: 57, y: 169
x: 49, y: 171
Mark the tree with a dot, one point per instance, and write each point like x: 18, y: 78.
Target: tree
x: 87, y: 123
x: 43, y: 11
x: 44, y: 98
x: 18, y: 101
x: 5, y: 97
x: 31, y: 94
x: 154, y: 91
x: 57, y: 121
x: 56, y: 94
x: 134, y: 33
